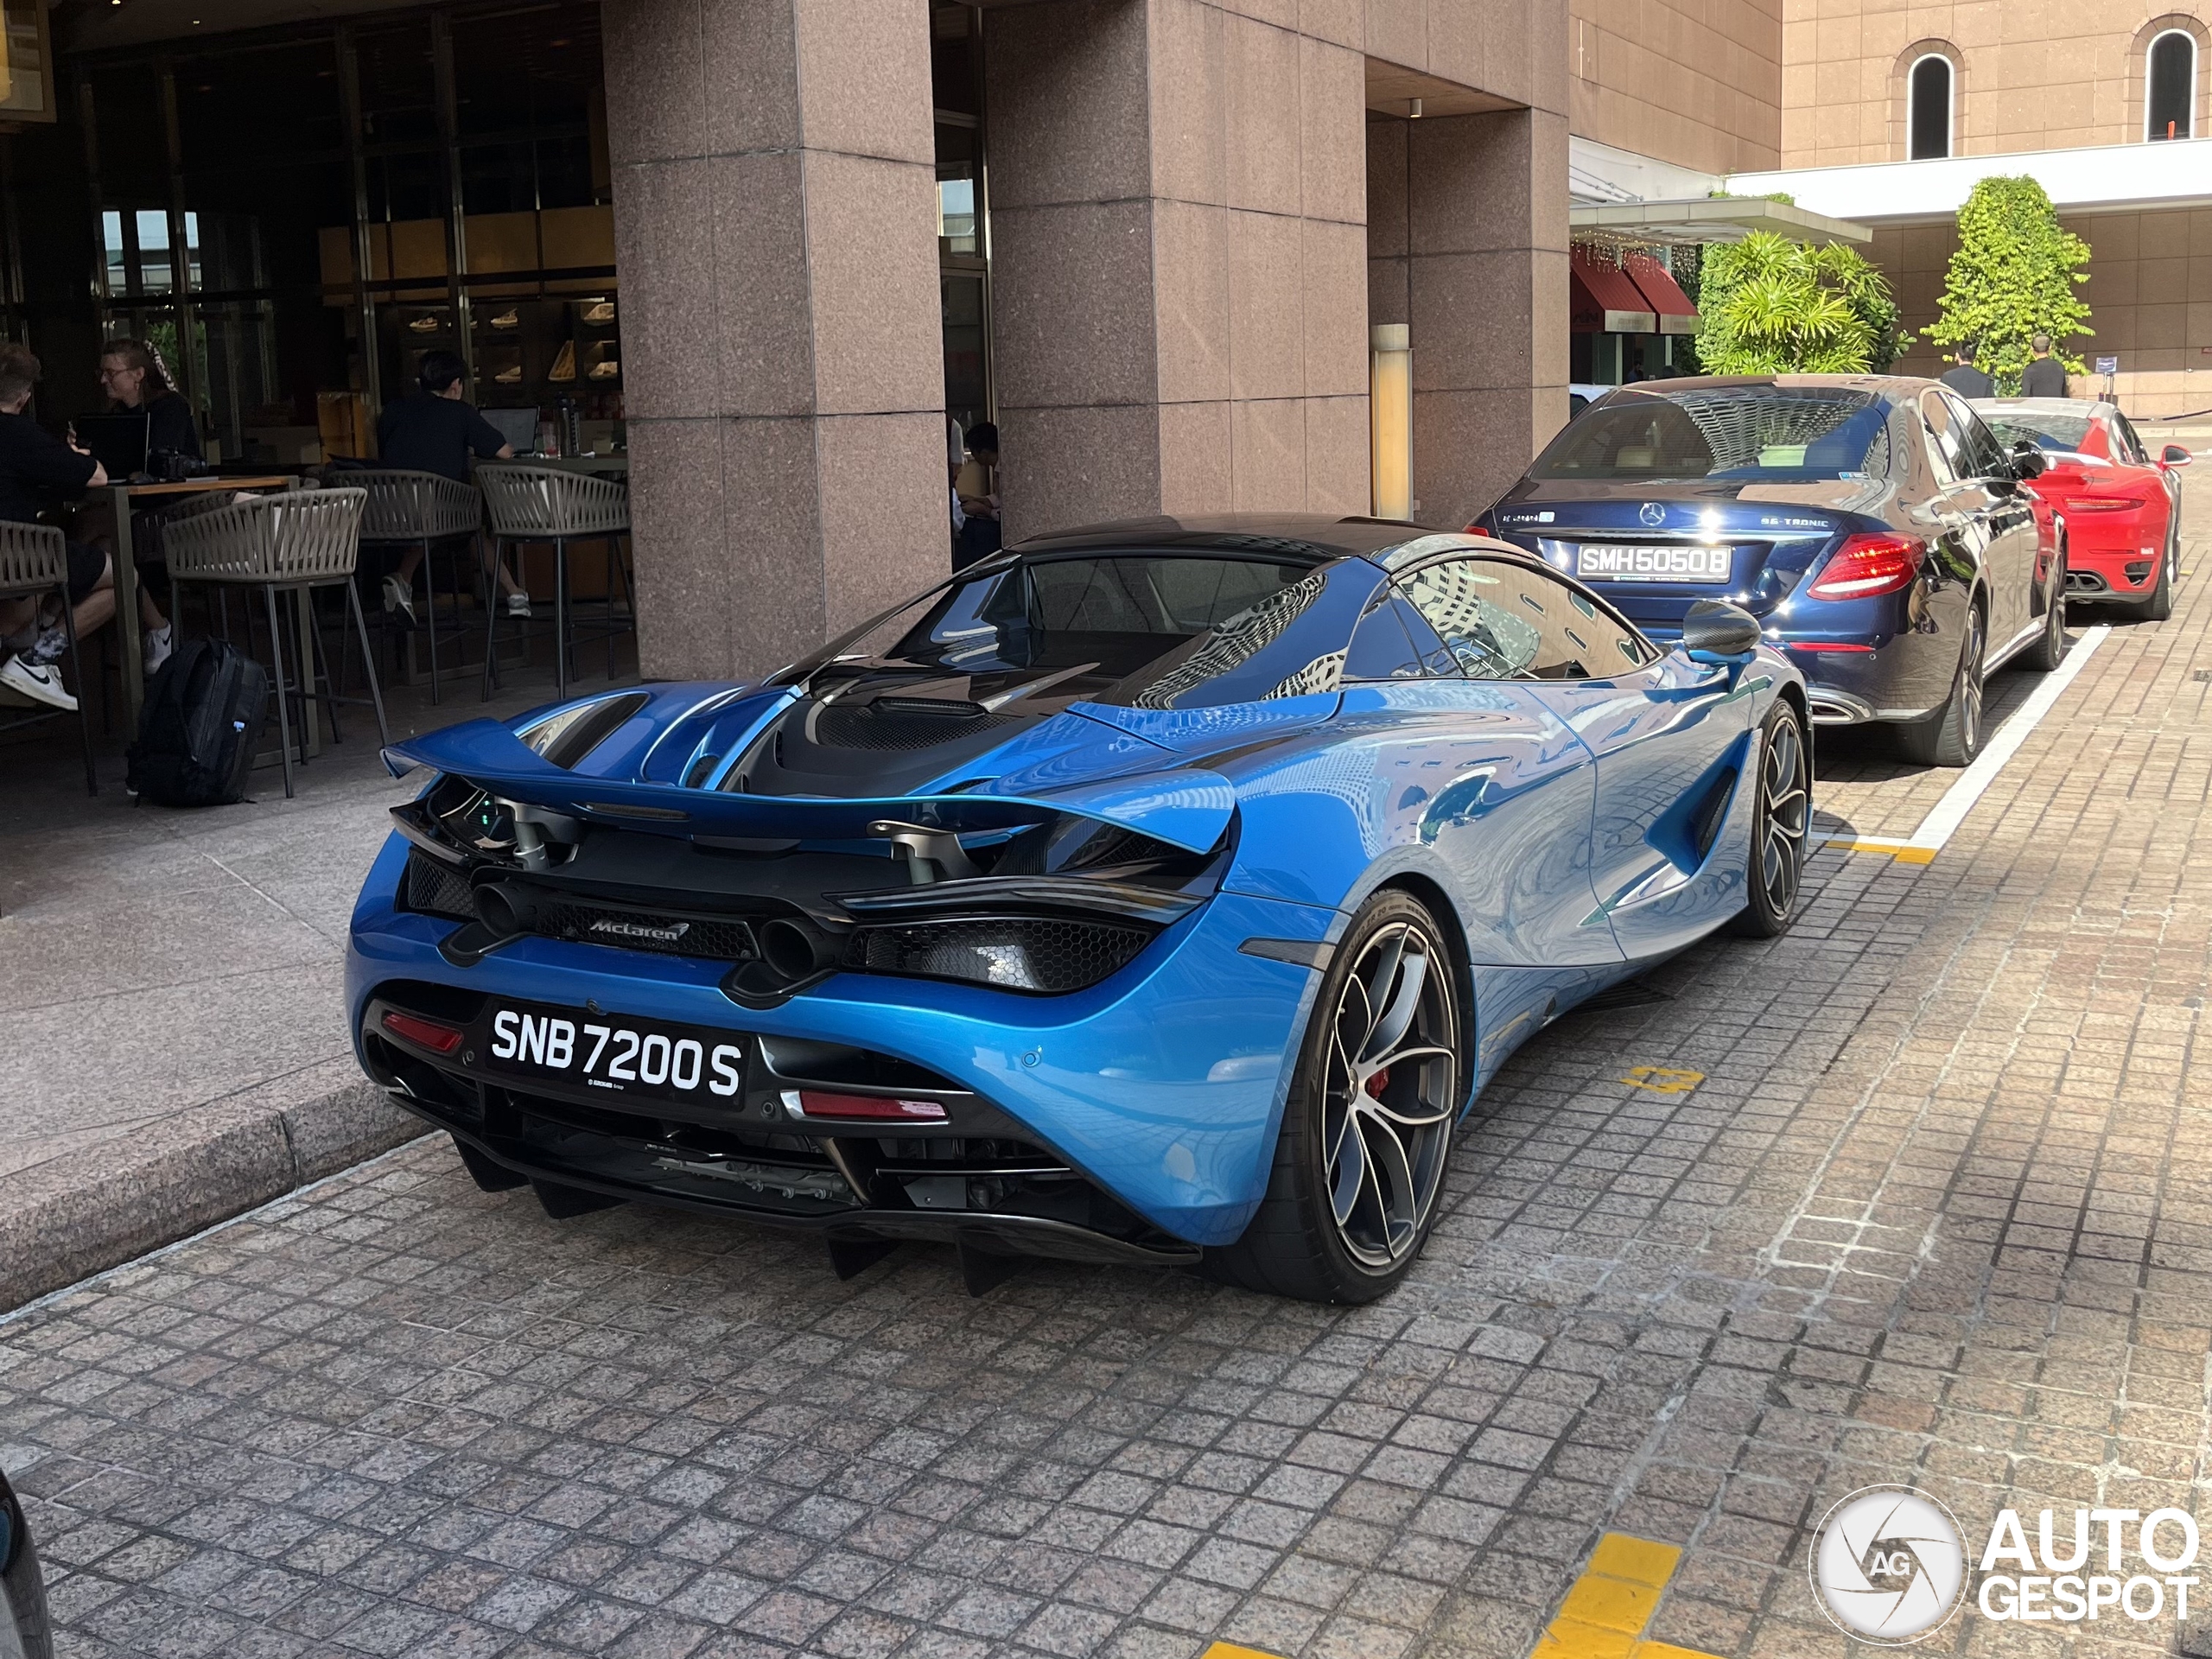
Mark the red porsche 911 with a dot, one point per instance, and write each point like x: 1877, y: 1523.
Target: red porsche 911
x: 2121, y: 505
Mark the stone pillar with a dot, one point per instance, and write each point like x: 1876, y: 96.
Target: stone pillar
x: 1467, y: 245
x: 1178, y: 283
x: 775, y: 226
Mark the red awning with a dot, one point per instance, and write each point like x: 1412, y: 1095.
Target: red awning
x: 1603, y: 301
x: 1657, y: 285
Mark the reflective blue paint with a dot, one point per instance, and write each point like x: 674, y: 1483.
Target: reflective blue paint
x: 1556, y: 817
x: 1165, y: 1083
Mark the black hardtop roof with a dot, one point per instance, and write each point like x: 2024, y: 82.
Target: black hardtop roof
x: 1312, y: 537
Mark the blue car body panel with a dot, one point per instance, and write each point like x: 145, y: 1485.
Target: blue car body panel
x: 1576, y: 831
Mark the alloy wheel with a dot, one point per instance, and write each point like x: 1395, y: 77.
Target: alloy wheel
x: 1785, y: 802
x: 1970, y: 688
x: 1390, y: 1092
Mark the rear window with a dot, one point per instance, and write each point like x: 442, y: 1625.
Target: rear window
x: 1785, y: 434
x: 2061, y: 432
x: 1171, y: 633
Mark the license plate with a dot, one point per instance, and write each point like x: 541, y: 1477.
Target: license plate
x: 1595, y: 561
x: 614, y: 1053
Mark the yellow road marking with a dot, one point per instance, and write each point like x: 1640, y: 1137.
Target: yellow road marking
x: 1604, y: 1614
x: 1660, y: 1080
x: 1606, y: 1610
x: 1948, y: 813
x: 1904, y: 851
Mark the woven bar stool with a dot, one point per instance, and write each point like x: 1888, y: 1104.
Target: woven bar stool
x: 408, y: 509
x: 290, y: 542
x: 34, y: 559
x: 547, y: 504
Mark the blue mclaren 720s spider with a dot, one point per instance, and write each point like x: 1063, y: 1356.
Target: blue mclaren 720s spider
x: 1161, y: 892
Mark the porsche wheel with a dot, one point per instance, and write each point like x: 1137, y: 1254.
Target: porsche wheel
x: 1952, y: 735
x: 1368, y: 1125
x: 2050, y: 648
x: 2160, y: 605
x: 1781, y: 815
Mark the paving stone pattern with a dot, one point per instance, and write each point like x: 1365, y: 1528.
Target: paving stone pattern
x: 1937, y: 1214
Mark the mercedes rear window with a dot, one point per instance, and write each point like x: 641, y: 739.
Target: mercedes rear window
x: 1754, y: 433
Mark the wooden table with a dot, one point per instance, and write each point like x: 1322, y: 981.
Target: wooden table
x: 121, y: 498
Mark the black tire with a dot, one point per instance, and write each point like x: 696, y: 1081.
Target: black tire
x: 1952, y: 735
x: 2050, y: 648
x: 1781, y: 817
x: 23, y: 1598
x: 1351, y: 1103
x: 2160, y: 605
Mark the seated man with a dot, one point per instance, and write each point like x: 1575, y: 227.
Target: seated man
x: 35, y: 464
x: 437, y: 430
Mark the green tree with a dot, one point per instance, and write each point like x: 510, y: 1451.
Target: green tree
x: 2013, y: 277
x: 1772, y: 306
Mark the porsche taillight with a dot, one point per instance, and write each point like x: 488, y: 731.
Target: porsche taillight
x: 1867, y: 566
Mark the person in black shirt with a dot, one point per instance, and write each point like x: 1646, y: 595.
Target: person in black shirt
x: 2045, y: 375
x: 437, y: 430
x: 132, y: 376
x: 1965, y: 379
x: 36, y: 467
x: 135, y: 378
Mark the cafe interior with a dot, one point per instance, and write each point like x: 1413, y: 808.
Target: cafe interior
x: 293, y: 215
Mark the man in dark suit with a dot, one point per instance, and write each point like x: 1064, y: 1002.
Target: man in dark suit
x: 2045, y: 375
x: 1965, y: 379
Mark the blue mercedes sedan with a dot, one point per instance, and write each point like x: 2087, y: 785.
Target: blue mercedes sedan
x: 1872, y: 524
x: 1162, y: 892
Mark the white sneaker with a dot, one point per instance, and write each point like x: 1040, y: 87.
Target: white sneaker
x: 159, y: 644
x: 398, y: 596
x: 518, y: 604
x: 40, y: 682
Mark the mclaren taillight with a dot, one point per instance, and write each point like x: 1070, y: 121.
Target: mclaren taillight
x: 866, y: 1108
x: 2102, y: 504
x: 433, y: 1034
x: 1867, y: 566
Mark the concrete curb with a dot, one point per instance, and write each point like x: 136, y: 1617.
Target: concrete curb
x: 100, y: 1205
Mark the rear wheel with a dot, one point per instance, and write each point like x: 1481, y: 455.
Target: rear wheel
x: 1368, y: 1124
x: 2160, y: 605
x: 1952, y: 735
x: 2050, y: 648
x: 1781, y: 814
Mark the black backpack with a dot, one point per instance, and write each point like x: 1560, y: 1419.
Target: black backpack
x: 202, y: 723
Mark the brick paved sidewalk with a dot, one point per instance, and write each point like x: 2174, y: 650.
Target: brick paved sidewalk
x: 1935, y: 1213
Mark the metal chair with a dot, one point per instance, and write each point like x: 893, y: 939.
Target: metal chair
x: 34, y: 559
x: 294, y: 541
x: 549, y: 504
x: 408, y: 509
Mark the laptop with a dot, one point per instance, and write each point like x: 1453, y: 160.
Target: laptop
x: 517, y: 426
x: 116, y: 442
